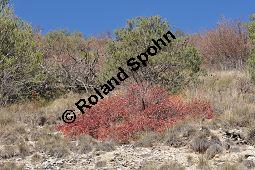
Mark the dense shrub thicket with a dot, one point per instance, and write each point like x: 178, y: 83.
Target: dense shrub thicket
x: 123, y: 117
x: 35, y: 65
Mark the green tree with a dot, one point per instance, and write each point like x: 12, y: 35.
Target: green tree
x: 251, y: 61
x: 3, y: 4
x: 19, y: 58
x: 174, y: 66
x: 251, y: 66
x: 251, y: 28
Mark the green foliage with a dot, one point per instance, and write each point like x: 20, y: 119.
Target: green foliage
x: 19, y: 58
x: 251, y: 61
x: 251, y: 66
x: 132, y: 40
x: 174, y: 66
x: 251, y: 30
x: 177, y: 66
x: 3, y: 4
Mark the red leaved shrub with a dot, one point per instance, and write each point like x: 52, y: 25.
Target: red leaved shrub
x: 123, y: 116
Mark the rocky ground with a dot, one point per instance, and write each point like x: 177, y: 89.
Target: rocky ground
x: 235, y: 153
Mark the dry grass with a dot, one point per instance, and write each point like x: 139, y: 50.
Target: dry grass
x: 228, y: 166
x: 231, y: 94
x: 54, y: 145
x: 11, y: 165
x: 203, y: 163
x: 147, y: 139
x: 21, y: 126
x: 170, y: 165
x: 36, y: 158
x: 179, y: 135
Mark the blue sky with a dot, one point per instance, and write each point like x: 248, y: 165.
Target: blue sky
x: 94, y: 17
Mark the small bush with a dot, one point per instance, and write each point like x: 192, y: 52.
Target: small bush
x: 36, y: 158
x: 9, y: 151
x: 251, y: 137
x: 215, y: 140
x: 200, y: 144
x: 213, y: 150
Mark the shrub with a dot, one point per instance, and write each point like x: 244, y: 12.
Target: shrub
x: 251, y: 137
x: 70, y: 62
x: 200, y: 144
x: 213, y: 150
x: 123, y: 116
x: 225, y: 47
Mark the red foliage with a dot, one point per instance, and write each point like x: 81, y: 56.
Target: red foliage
x: 122, y: 116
